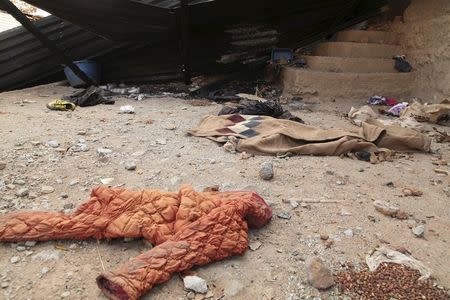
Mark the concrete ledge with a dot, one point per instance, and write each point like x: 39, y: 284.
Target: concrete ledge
x: 358, y: 50
x: 363, y: 36
x: 308, y: 83
x: 351, y: 65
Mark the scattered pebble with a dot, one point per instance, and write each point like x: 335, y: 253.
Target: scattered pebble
x: 15, y: 259
x: 53, y: 144
x: 74, y: 182
x: 386, y: 208
x: 103, y: 151
x: 319, y: 276
x: 284, y: 215
x: 130, y: 166
x: 419, y: 231
x: 64, y: 195
x: 324, y: 237
x: 127, y: 109
x: 4, y: 284
x: 23, y: 192
x: 65, y: 294
x: 46, y: 189
x: 19, y: 182
x: 30, y: 243
x: 294, y: 204
x: 21, y: 248
x: 107, y: 181
x: 441, y: 171
x: 255, y: 245
x: 2, y: 165
x: 412, y: 192
x: 266, y: 171
x: 161, y: 142
x: 349, y: 232
x: 196, y: 284
x: 190, y: 295
x: 45, y: 270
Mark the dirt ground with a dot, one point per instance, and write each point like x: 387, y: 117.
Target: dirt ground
x: 166, y: 157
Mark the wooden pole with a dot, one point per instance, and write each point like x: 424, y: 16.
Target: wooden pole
x: 51, y: 45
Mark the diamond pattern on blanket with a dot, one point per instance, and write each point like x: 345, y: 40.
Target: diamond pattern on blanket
x: 242, y: 126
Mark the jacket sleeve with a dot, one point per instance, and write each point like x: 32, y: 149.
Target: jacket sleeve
x: 213, y: 237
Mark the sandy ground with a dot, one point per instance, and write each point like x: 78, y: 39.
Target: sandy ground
x: 166, y: 158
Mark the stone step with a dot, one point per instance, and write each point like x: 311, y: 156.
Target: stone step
x: 350, y: 64
x: 346, y: 49
x: 367, y: 36
x: 358, y: 86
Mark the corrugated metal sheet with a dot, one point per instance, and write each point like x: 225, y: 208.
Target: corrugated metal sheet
x: 24, y: 61
x: 7, y: 22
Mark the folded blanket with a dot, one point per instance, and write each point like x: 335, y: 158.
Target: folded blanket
x: 189, y: 229
x: 269, y: 136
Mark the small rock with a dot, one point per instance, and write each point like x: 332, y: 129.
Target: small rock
x: 64, y: 195
x: 161, y: 142
x: 69, y: 206
x: 419, y: 231
x: 127, y: 109
x: 190, y: 295
x: 23, y: 192
x: 385, y: 208
x: 196, y: 284
x: 349, y: 233
x: 65, y: 294
x: 412, y: 192
x: 21, y: 248
x: 107, y: 181
x: 319, y: 276
x: 294, y: 204
x: 130, y: 166
x: 30, y: 243
x: 255, y: 245
x: 46, y: 189
x: 284, y: 215
x: 324, y: 237
x: 441, y: 171
x: 170, y: 127
x: 4, y: 284
x: 2, y: 165
x: 45, y: 270
x: 74, y: 182
x: 53, y: 144
x: 103, y: 151
x: 32, y: 195
x: 10, y: 186
x: 266, y: 171
x: 15, y: 259
x: 19, y: 182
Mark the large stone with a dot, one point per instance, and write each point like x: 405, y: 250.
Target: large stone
x: 319, y: 276
x: 196, y: 284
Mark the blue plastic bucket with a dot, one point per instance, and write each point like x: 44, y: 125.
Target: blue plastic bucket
x: 89, y: 67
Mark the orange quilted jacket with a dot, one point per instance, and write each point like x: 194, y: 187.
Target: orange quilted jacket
x: 189, y: 228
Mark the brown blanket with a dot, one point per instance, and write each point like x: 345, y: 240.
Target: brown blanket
x: 269, y: 136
